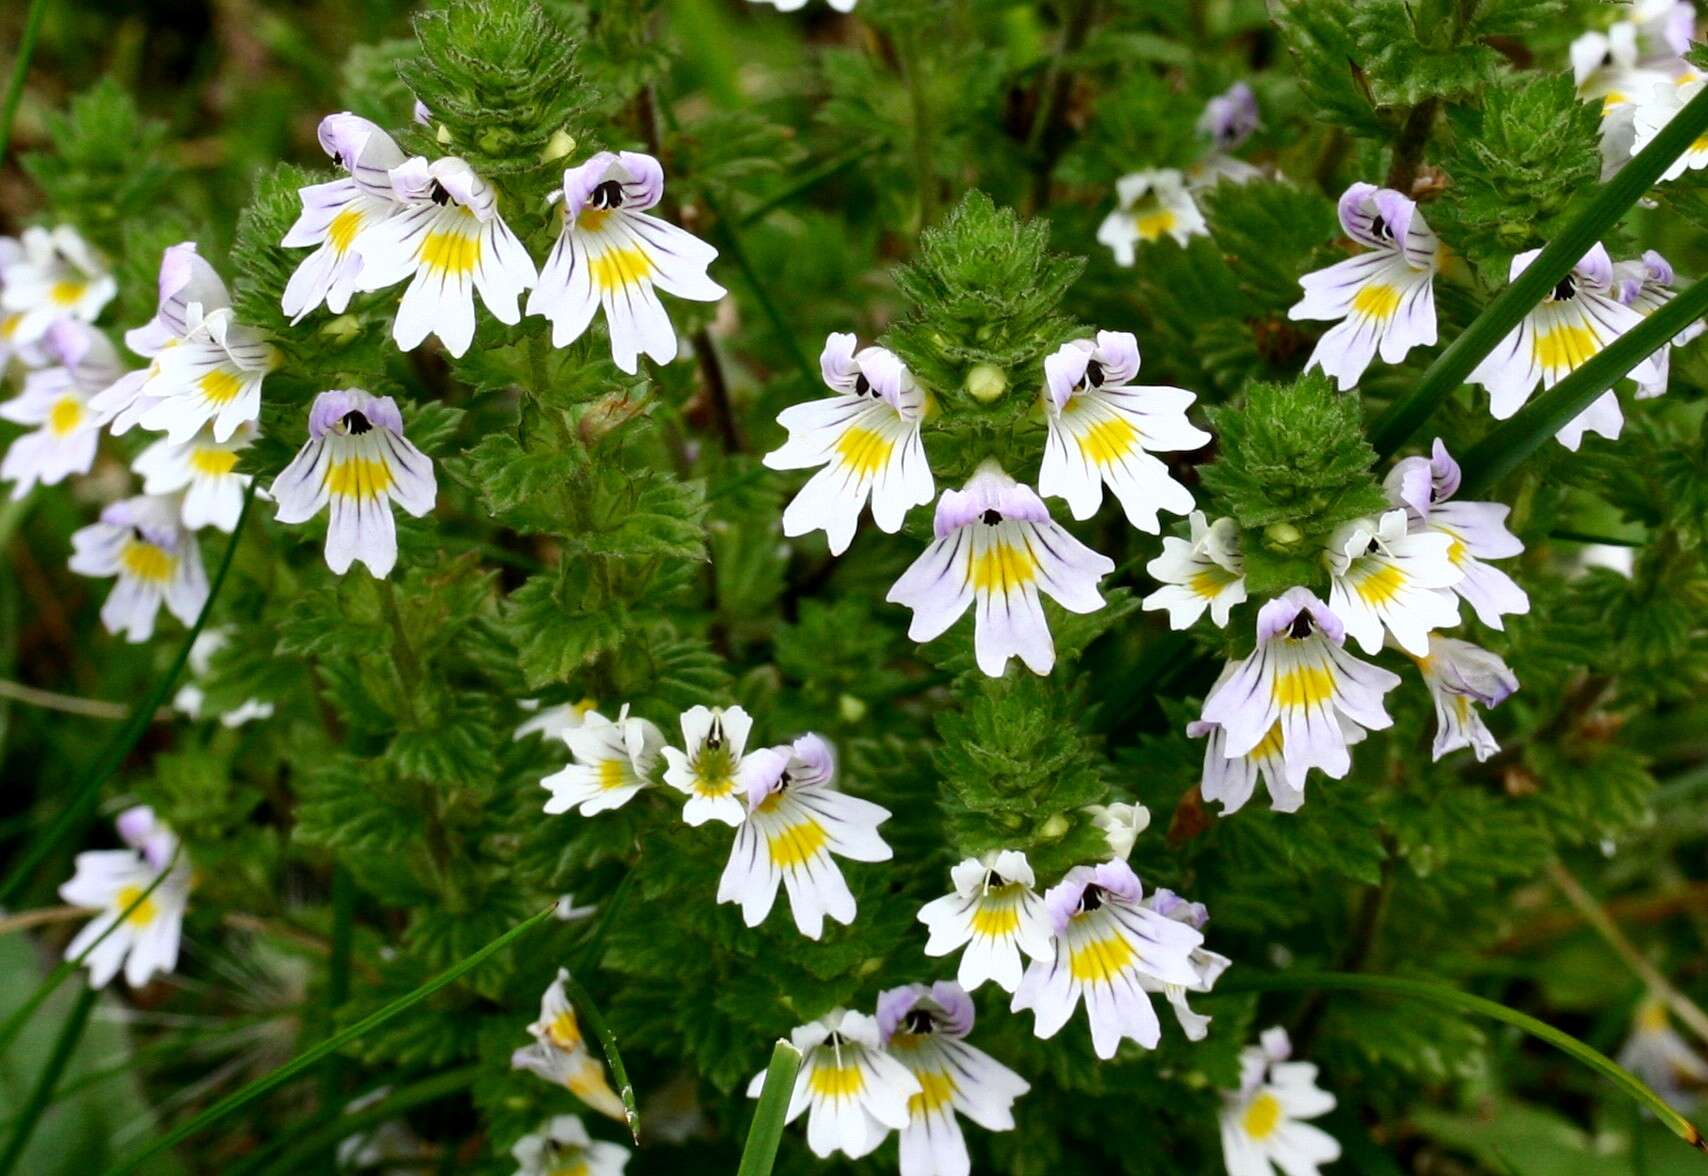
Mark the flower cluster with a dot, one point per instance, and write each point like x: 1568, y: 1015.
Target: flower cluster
x: 140, y: 892
x: 559, y: 1053
x: 1264, y: 1122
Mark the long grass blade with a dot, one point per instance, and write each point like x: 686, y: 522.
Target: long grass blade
x: 20, y: 70
x: 309, y: 1058
x: 1442, y: 994
x: 1603, y: 211
x: 589, y: 1012
x: 766, y: 1133
x: 70, y: 1034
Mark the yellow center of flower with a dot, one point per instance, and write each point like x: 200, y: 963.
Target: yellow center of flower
x: 1303, y: 686
x: 616, y: 268
x: 1378, y: 300
x: 1108, y: 440
x: 564, y: 1031
x: 714, y: 772
x: 343, y: 229
x: 575, y: 1167
x: 1269, y: 745
x: 451, y: 251
x: 221, y: 386
x: 1262, y: 1116
x: 1566, y: 346
x: 146, y: 562
x: 1381, y: 585
x: 612, y: 775
x: 1152, y: 222
x: 359, y: 477
x: 1003, y: 567
x: 1100, y: 961
x: 215, y: 463
x: 588, y: 1083
x: 65, y: 416
x: 592, y: 219
x: 795, y: 845
x: 995, y: 920
x: 936, y: 1088
x: 65, y: 293
x: 1651, y: 1016
x: 9, y: 325
x: 834, y: 1081
x: 863, y: 451
x: 145, y: 911
x: 1210, y: 581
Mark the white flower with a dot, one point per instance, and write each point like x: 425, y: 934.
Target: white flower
x: 1206, y: 571
x: 334, y: 214
x: 1149, y: 204
x: 1476, y: 532
x: 1460, y: 676
x: 449, y: 239
x: 156, y: 560
x: 1103, y: 430
x: 55, y: 275
x: 560, y: 1055
x: 1109, y: 946
x: 1656, y: 106
x: 1656, y: 1053
x: 855, y: 1092
x: 213, y: 374
x: 145, y: 940
x: 996, y: 550
x: 1121, y: 825
x: 562, y: 1147
x: 1299, y: 682
x: 797, y: 5
x: 995, y: 914
x: 795, y: 822
x: 1230, y: 118
x: 57, y: 399
x: 1263, y: 1128
x: 552, y: 722
x: 1578, y: 318
x: 188, y: 700
x: 925, y: 1030
x: 205, y: 469
x: 1382, y: 301
x: 613, y: 761
x: 1627, y: 67
x: 190, y: 290
x: 1383, y: 574
x: 27, y: 354
x: 709, y: 771
x: 1208, y: 964
x: 355, y: 459
x: 1646, y: 285
x: 612, y: 255
x: 867, y: 439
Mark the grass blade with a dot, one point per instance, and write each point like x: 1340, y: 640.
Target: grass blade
x: 42, y: 1093
x: 20, y: 70
x: 1603, y: 211
x: 1442, y: 994
x: 589, y: 1012
x: 307, y: 1059
x: 1509, y: 443
x: 767, y: 1129
x: 88, y: 791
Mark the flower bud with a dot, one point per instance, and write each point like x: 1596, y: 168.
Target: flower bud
x: 986, y: 382
x: 559, y: 145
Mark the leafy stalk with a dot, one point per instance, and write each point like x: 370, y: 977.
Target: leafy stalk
x: 20, y: 69
x: 1509, y: 443
x: 1441, y: 994
x: 88, y: 791
x: 767, y: 1129
x: 70, y: 1033
x: 1499, y: 317
x: 307, y: 1059
x: 589, y: 1012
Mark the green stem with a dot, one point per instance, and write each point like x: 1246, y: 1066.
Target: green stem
x: 732, y: 245
x: 42, y: 1093
x: 766, y: 1132
x: 1441, y: 994
x: 590, y: 1015
x: 403, y: 651
x: 88, y: 791
x: 1567, y: 248
x: 306, y: 1060
x: 20, y: 68
x: 1508, y: 444
x: 338, y: 976
x: 806, y: 183
x: 924, y: 163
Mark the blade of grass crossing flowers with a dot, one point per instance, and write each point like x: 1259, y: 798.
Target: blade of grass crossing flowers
x: 1443, y: 994
x: 1611, y: 202
x: 766, y: 1132
x: 1509, y: 443
x: 306, y: 1060
x: 88, y: 791
x: 595, y: 1020
x: 70, y: 1034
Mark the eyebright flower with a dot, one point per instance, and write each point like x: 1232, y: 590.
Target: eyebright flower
x: 1382, y: 301
x: 1263, y: 1128
x: 1383, y: 574
x: 1206, y: 571
x: 141, y: 541
x: 995, y: 914
x: 1121, y: 825
x: 1657, y: 1054
x: 1230, y: 117
x: 1460, y: 676
x: 145, y: 940
x: 1108, y: 947
x: 562, y: 1147
x: 356, y: 458
x: 11, y: 252
x: 1296, y: 686
x: 613, y: 761
x: 54, y: 275
x: 1646, y: 285
x: 449, y: 239
x: 57, y: 400
x: 709, y: 771
x: 1103, y: 429
x: 1624, y: 69
x: 1210, y: 965
x: 1231, y: 780
x: 867, y: 439
x: 925, y: 1030
x: 190, y: 290
x: 335, y: 213
x: 559, y: 1053
x: 551, y: 722
x: 1649, y: 116
x: 795, y: 822
x: 213, y: 374
x: 188, y: 700
x: 205, y: 469
x: 1477, y: 530
x: 996, y: 549
x: 1148, y: 205
x: 1578, y: 318
x: 612, y: 255
x: 855, y: 1093
x: 797, y: 5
